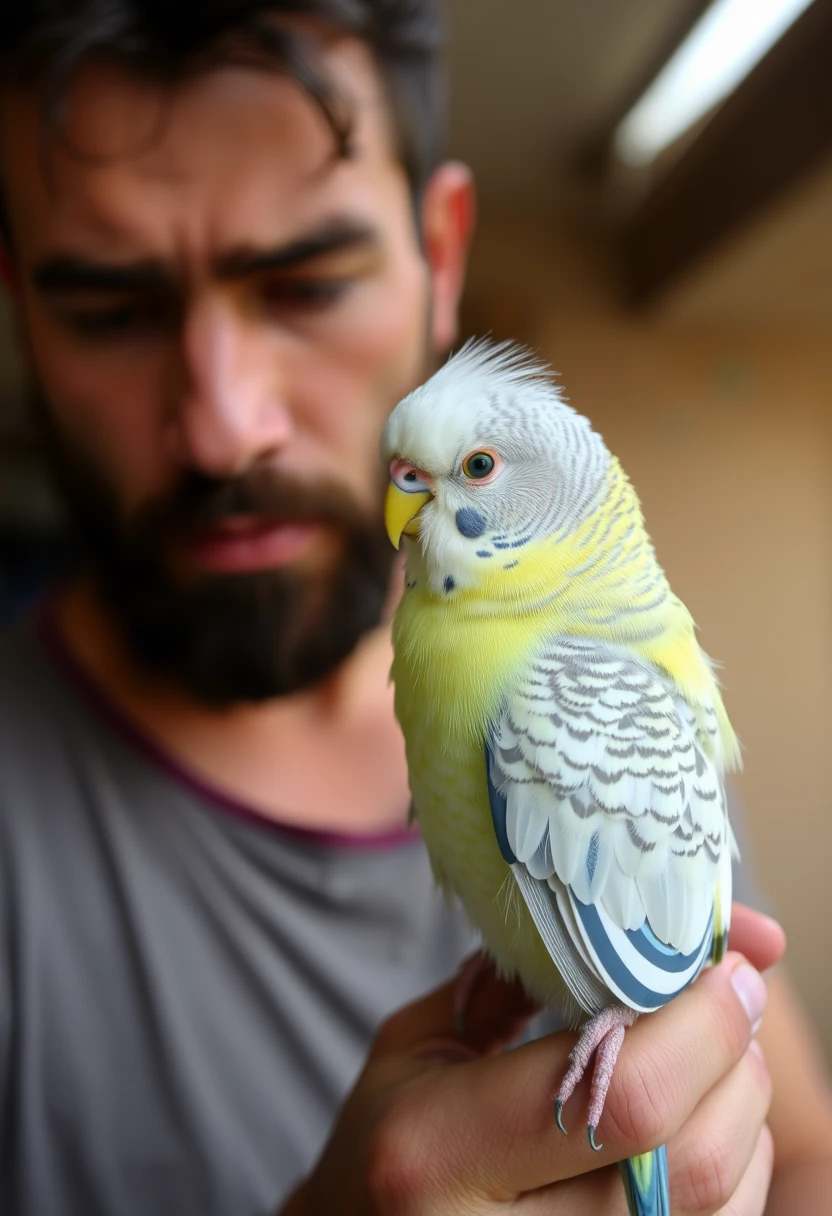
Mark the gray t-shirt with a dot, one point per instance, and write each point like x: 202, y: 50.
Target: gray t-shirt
x: 187, y: 990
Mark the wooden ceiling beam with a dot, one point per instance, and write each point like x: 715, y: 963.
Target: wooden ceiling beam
x: 771, y: 131
x: 591, y: 157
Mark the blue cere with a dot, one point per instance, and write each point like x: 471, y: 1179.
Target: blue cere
x: 449, y: 583
x: 483, y: 553
x: 470, y: 523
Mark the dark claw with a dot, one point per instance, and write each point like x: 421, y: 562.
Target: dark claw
x: 459, y: 1022
x: 590, y: 1131
x: 558, y: 1119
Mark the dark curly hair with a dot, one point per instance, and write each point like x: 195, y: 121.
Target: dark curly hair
x: 48, y: 40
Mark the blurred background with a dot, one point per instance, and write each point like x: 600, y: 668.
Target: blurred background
x: 655, y: 184
x: 674, y: 263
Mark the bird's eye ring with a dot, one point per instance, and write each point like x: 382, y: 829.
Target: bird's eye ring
x: 479, y: 465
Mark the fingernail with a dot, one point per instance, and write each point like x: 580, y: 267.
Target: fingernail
x: 751, y: 990
x: 757, y: 1050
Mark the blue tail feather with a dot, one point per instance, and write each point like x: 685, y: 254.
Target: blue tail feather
x: 645, y: 1182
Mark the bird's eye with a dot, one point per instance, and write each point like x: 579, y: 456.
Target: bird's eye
x: 478, y: 465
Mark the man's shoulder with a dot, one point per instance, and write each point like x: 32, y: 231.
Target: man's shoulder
x: 27, y: 677
x: 37, y: 705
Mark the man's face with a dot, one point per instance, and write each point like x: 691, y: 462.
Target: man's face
x: 219, y: 314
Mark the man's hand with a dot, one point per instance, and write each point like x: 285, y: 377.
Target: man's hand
x: 439, y: 1123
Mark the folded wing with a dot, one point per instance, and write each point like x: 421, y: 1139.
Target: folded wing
x: 611, y: 810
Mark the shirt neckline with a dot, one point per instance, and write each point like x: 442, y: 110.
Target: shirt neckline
x: 106, y: 708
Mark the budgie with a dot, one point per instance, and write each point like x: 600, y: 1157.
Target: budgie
x: 565, y: 734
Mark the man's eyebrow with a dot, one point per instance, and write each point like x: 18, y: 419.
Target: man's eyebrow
x: 332, y: 239
x: 67, y: 273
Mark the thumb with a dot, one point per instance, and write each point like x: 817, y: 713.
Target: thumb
x: 758, y: 937
x: 496, y: 1011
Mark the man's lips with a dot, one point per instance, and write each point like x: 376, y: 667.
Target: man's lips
x: 243, y: 543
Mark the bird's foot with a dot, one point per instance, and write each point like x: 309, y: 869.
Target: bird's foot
x: 601, y: 1037
x: 469, y: 972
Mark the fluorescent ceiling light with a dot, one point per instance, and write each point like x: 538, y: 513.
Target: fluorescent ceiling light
x: 730, y: 38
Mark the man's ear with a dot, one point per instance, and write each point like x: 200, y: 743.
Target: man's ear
x: 448, y: 217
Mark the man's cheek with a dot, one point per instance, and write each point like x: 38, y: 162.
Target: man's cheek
x: 115, y: 433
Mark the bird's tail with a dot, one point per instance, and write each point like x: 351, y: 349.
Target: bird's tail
x: 645, y: 1182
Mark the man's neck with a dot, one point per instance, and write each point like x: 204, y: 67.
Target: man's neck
x: 329, y: 757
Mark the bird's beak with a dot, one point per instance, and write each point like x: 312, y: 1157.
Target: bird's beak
x: 401, y: 511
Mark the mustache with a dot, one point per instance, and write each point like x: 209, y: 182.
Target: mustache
x: 200, y: 502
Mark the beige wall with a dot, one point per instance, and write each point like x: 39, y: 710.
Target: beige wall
x: 728, y: 438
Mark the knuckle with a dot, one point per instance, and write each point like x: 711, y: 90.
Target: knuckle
x: 764, y: 1157
x: 399, y: 1159
x: 706, y: 1182
x: 639, y: 1104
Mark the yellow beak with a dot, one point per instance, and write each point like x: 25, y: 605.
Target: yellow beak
x: 401, y: 512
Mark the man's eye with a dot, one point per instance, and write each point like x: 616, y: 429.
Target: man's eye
x: 306, y: 291
x: 121, y: 320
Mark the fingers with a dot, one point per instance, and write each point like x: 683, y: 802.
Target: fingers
x: 711, y: 1158
x: 488, y: 1126
x: 495, y: 1014
x: 758, y: 937
x: 751, y: 1196
x: 498, y: 1010
x: 672, y: 1058
x: 600, y: 1193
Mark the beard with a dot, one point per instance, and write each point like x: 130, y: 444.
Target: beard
x: 226, y: 638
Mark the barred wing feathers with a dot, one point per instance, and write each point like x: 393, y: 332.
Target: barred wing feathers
x: 611, y: 810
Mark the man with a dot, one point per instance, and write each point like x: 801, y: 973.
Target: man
x: 230, y: 253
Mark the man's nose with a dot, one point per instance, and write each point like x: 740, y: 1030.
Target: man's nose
x: 231, y: 410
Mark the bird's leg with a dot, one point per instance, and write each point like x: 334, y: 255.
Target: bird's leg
x: 601, y: 1037
x: 470, y: 970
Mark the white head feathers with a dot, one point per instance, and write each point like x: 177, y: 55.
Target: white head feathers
x: 484, y: 389
x: 549, y: 465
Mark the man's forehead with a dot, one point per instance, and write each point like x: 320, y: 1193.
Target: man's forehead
x: 230, y: 153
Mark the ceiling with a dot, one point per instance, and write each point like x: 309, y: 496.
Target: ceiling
x: 528, y: 92
x: 531, y: 80
x: 776, y: 271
